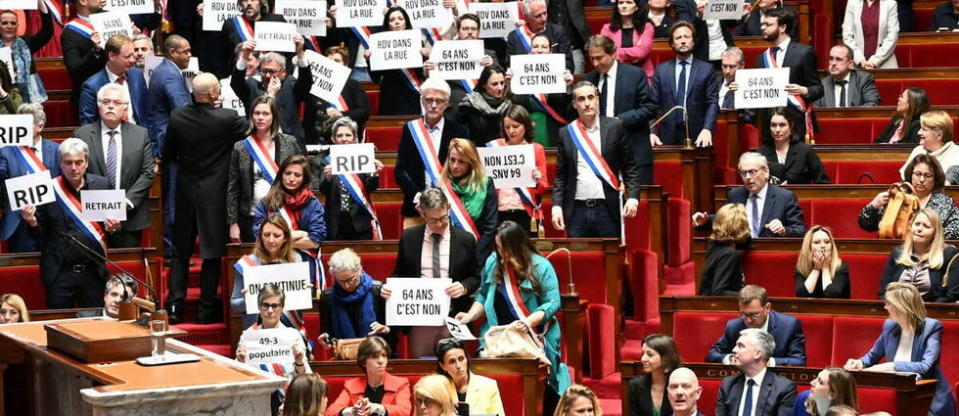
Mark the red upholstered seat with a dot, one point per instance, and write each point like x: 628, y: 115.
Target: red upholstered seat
x: 949, y: 359
x: 940, y: 91
x: 849, y: 172
x: 852, y: 337
x: 391, y: 222
x: 818, y: 330
x: 678, y: 231
x: 696, y: 332
x: 772, y: 271
x: 387, y: 139
x: 865, y: 272
x: 923, y: 55
x: 25, y: 281
x: 374, y: 99
x: 839, y: 215
x: 849, y: 131
x: 669, y: 174
x: 643, y: 273
x: 589, y: 270
x: 707, y: 400
x: 600, y: 331
x: 388, y: 178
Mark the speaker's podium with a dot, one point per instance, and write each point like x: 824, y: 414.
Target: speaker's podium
x: 88, y: 367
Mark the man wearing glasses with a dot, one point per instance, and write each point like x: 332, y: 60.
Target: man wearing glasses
x: 772, y: 211
x: 755, y: 311
x: 119, y: 70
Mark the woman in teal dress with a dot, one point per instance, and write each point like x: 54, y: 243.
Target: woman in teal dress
x: 516, y: 267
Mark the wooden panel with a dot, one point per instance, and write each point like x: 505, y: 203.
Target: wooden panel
x: 880, y: 112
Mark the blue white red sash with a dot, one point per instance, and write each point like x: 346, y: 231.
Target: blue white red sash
x: 363, y: 34
x: 424, y: 145
x: 525, y: 195
x: 794, y: 100
x: 261, y: 156
x: 543, y: 103
x: 245, y: 263
x: 83, y: 27
x: 589, y: 153
x: 72, y: 208
x: 468, y: 84
x: 30, y: 160
x: 55, y: 10
x: 293, y: 220
x: 341, y: 105
x: 432, y: 35
x: 525, y: 38
x: 282, y: 370
x: 243, y: 28
x: 514, y: 301
x: 412, y: 80
x: 357, y: 190
x: 458, y: 213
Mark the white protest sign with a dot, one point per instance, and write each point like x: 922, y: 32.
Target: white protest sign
x: 269, y: 346
x: 192, y: 68
x: 359, y: 13
x: 396, y: 49
x: 497, y: 19
x: 230, y: 100
x: 761, y: 88
x: 538, y: 74
x: 101, y: 205
x: 150, y: 64
x: 329, y: 77
x: 215, y: 12
x: 6, y: 55
x: 427, y: 14
x: 723, y: 10
x: 417, y: 302
x: 274, y: 36
x: 308, y: 15
x: 131, y: 6
x: 509, y: 166
x: 458, y: 330
x: 18, y: 4
x: 352, y: 158
x: 457, y: 59
x: 111, y: 23
x: 16, y: 130
x: 292, y: 278
x: 35, y: 189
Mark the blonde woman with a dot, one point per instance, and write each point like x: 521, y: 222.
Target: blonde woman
x: 922, y: 260
x: 465, y: 175
x: 723, y: 274
x: 434, y: 395
x: 935, y: 138
x: 820, y: 273
x: 578, y: 401
x: 13, y: 309
x: 909, y: 342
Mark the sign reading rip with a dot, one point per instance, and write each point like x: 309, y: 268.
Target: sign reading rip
x: 16, y: 130
x: 35, y: 189
x: 352, y: 158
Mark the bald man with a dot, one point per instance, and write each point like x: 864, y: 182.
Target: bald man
x: 683, y: 390
x: 199, y: 140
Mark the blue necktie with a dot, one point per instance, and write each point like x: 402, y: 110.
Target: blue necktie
x: 756, y: 218
x: 681, y: 87
x: 748, y: 404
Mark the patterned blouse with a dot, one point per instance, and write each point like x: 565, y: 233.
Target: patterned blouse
x: 939, y: 202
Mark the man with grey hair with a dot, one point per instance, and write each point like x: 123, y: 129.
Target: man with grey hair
x: 772, y: 211
x: 122, y: 153
x: 199, y: 140
x: 426, y: 138
x: 353, y: 307
x: 142, y: 48
x: 16, y: 161
x: 519, y: 41
x: 119, y: 288
x: 72, y: 276
x: 755, y: 391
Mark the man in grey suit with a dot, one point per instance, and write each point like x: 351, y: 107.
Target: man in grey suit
x: 845, y: 86
x: 121, y: 152
x: 756, y: 391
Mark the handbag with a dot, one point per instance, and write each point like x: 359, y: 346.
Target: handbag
x: 902, y: 207
x: 506, y: 341
x: 345, y: 349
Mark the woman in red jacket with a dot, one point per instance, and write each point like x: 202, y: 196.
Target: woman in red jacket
x: 378, y: 393
x: 522, y: 205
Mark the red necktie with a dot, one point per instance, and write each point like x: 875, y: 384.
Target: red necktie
x: 122, y: 79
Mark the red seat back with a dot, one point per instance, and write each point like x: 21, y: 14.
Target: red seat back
x: 387, y: 139
x: 772, y: 271
x: 839, y: 215
x: 852, y: 337
x: 818, y: 330
x: 864, y: 274
x: 700, y: 330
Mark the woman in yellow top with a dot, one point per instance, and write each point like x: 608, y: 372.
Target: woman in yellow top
x: 476, y: 395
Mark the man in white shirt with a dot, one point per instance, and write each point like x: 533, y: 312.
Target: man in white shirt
x: 755, y: 392
x: 845, y: 86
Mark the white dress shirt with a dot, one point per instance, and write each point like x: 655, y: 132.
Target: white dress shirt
x: 758, y: 379
x: 105, y: 142
x: 838, y: 90
x: 426, y: 256
x: 717, y: 44
x: 588, y: 185
x: 760, y: 202
x: 781, y: 53
x: 126, y: 84
x: 904, y: 351
x: 610, y: 90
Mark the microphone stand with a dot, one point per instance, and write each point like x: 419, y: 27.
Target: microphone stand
x: 688, y: 144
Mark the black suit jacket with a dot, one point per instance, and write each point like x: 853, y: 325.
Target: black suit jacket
x: 802, y: 164
x: 776, y: 397
x: 751, y: 25
x: 136, y: 167
x: 634, y: 106
x: 228, y: 39
x: 360, y: 217
x: 785, y: 329
x: 641, y: 399
x: 860, y: 91
x: 292, y: 92
x: 81, y: 58
x: 463, y: 267
x: 801, y: 60
x: 557, y: 34
x: 702, y: 100
x: 910, y: 135
x: 618, y: 155
x: 780, y: 204
x: 410, y: 172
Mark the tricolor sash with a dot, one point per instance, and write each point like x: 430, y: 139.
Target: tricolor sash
x: 428, y: 153
x: 412, y: 80
x: 290, y: 217
x: 589, y: 153
x: 514, y: 302
x: 468, y: 84
x: 284, y: 369
x: 458, y: 213
x: 83, y: 27
x: 55, y: 10
x: 543, y: 103
x: 432, y: 35
x: 341, y: 104
x: 793, y: 100
x: 525, y: 195
x: 363, y: 34
x: 293, y: 220
x: 261, y: 156
x: 72, y: 208
x: 243, y: 28
x: 30, y: 160
x: 357, y: 190
x: 525, y: 38
x: 245, y: 263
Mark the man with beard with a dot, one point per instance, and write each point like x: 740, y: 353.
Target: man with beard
x: 467, y: 28
x: 142, y: 48
x: 82, y: 53
x: 753, y: 14
x: 846, y: 86
x: 689, y: 83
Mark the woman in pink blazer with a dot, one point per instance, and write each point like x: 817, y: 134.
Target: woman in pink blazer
x: 633, y: 35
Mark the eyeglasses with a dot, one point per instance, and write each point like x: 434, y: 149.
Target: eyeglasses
x: 434, y: 101
x: 749, y: 173
x: 750, y: 316
x: 440, y: 220
x: 266, y: 71
x: 424, y: 401
x: 920, y: 175
x: 351, y: 280
x: 265, y: 306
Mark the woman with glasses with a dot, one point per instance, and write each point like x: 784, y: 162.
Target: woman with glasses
x: 475, y: 394
x: 349, y: 208
x: 376, y: 393
x: 353, y: 307
x: 924, y: 260
x: 22, y: 48
x: 253, y: 166
x: 820, y: 273
x: 399, y: 88
x: 271, y: 300
x: 928, y: 182
x: 791, y: 160
x: 935, y: 139
x: 13, y: 309
x: 464, y: 172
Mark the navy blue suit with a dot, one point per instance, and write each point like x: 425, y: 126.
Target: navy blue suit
x: 781, y: 204
x: 88, y: 95
x: 777, y: 395
x: 168, y: 90
x: 702, y: 102
x: 11, y: 166
x: 785, y: 329
x: 924, y: 361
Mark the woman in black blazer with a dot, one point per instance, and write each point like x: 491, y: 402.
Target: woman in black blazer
x: 791, y: 161
x: 347, y: 218
x: 647, y: 393
x: 723, y: 273
x: 924, y: 260
x: 904, y: 126
x: 397, y: 96
x: 820, y: 273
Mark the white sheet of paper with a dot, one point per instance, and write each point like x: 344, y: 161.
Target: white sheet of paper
x: 18, y: 4
x: 150, y: 63
x: 131, y: 6
x: 457, y: 59
x: 35, y: 189
x: 458, y: 330
x: 723, y: 10
x: 101, y: 205
x: 359, y: 13
x: 538, y: 74
x: 192, y: 68
x: 497, y: 19
x: 417, y: 302
x: 111, y: 23
x: 396, y: 49
x: 761, y: 88
x: 230, y: 100
x: 269, y: 346
x: 293, y: 278
x: 352, y: 158
x: 308, y: 15
x: 6, y: 55
x: 509, y: 166
x: 329, y: 77
x: 427, y: 14
x: 215, y: 12
x: 274, y: 36
x: 16, y: 130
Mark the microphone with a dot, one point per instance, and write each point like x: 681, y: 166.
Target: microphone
x: 688, y: 142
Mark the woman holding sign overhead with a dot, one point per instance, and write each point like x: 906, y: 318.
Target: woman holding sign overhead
x: 254, y: 166
x: 482, y: 110
x: 520, y: 289
x: 399, y: 88
x: 473, y: 202
x: 522, y: 205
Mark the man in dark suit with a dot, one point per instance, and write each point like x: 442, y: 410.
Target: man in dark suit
x: 235, y: 31
x: 82, y: 53
x: 586, y: 193
x: 452, y: 254
x: 624, y: 94
x: 19, y: 161
x: 71, y: 275
x: 570, y: 14
x: 753, y: 14
x: 756, y: 391
x: 199, y: 140
x: 756, y: 312
x: 683, y: 391
x: 119, y: 69
x: 288, y: 90
x: 519, y: 41
x: 689, y: 83
x: 780, y: 213
x: 845, y: 86
x: 411, y: 173
x: 121, y: 152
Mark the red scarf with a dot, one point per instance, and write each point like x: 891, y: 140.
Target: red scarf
x: 298, y: 200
